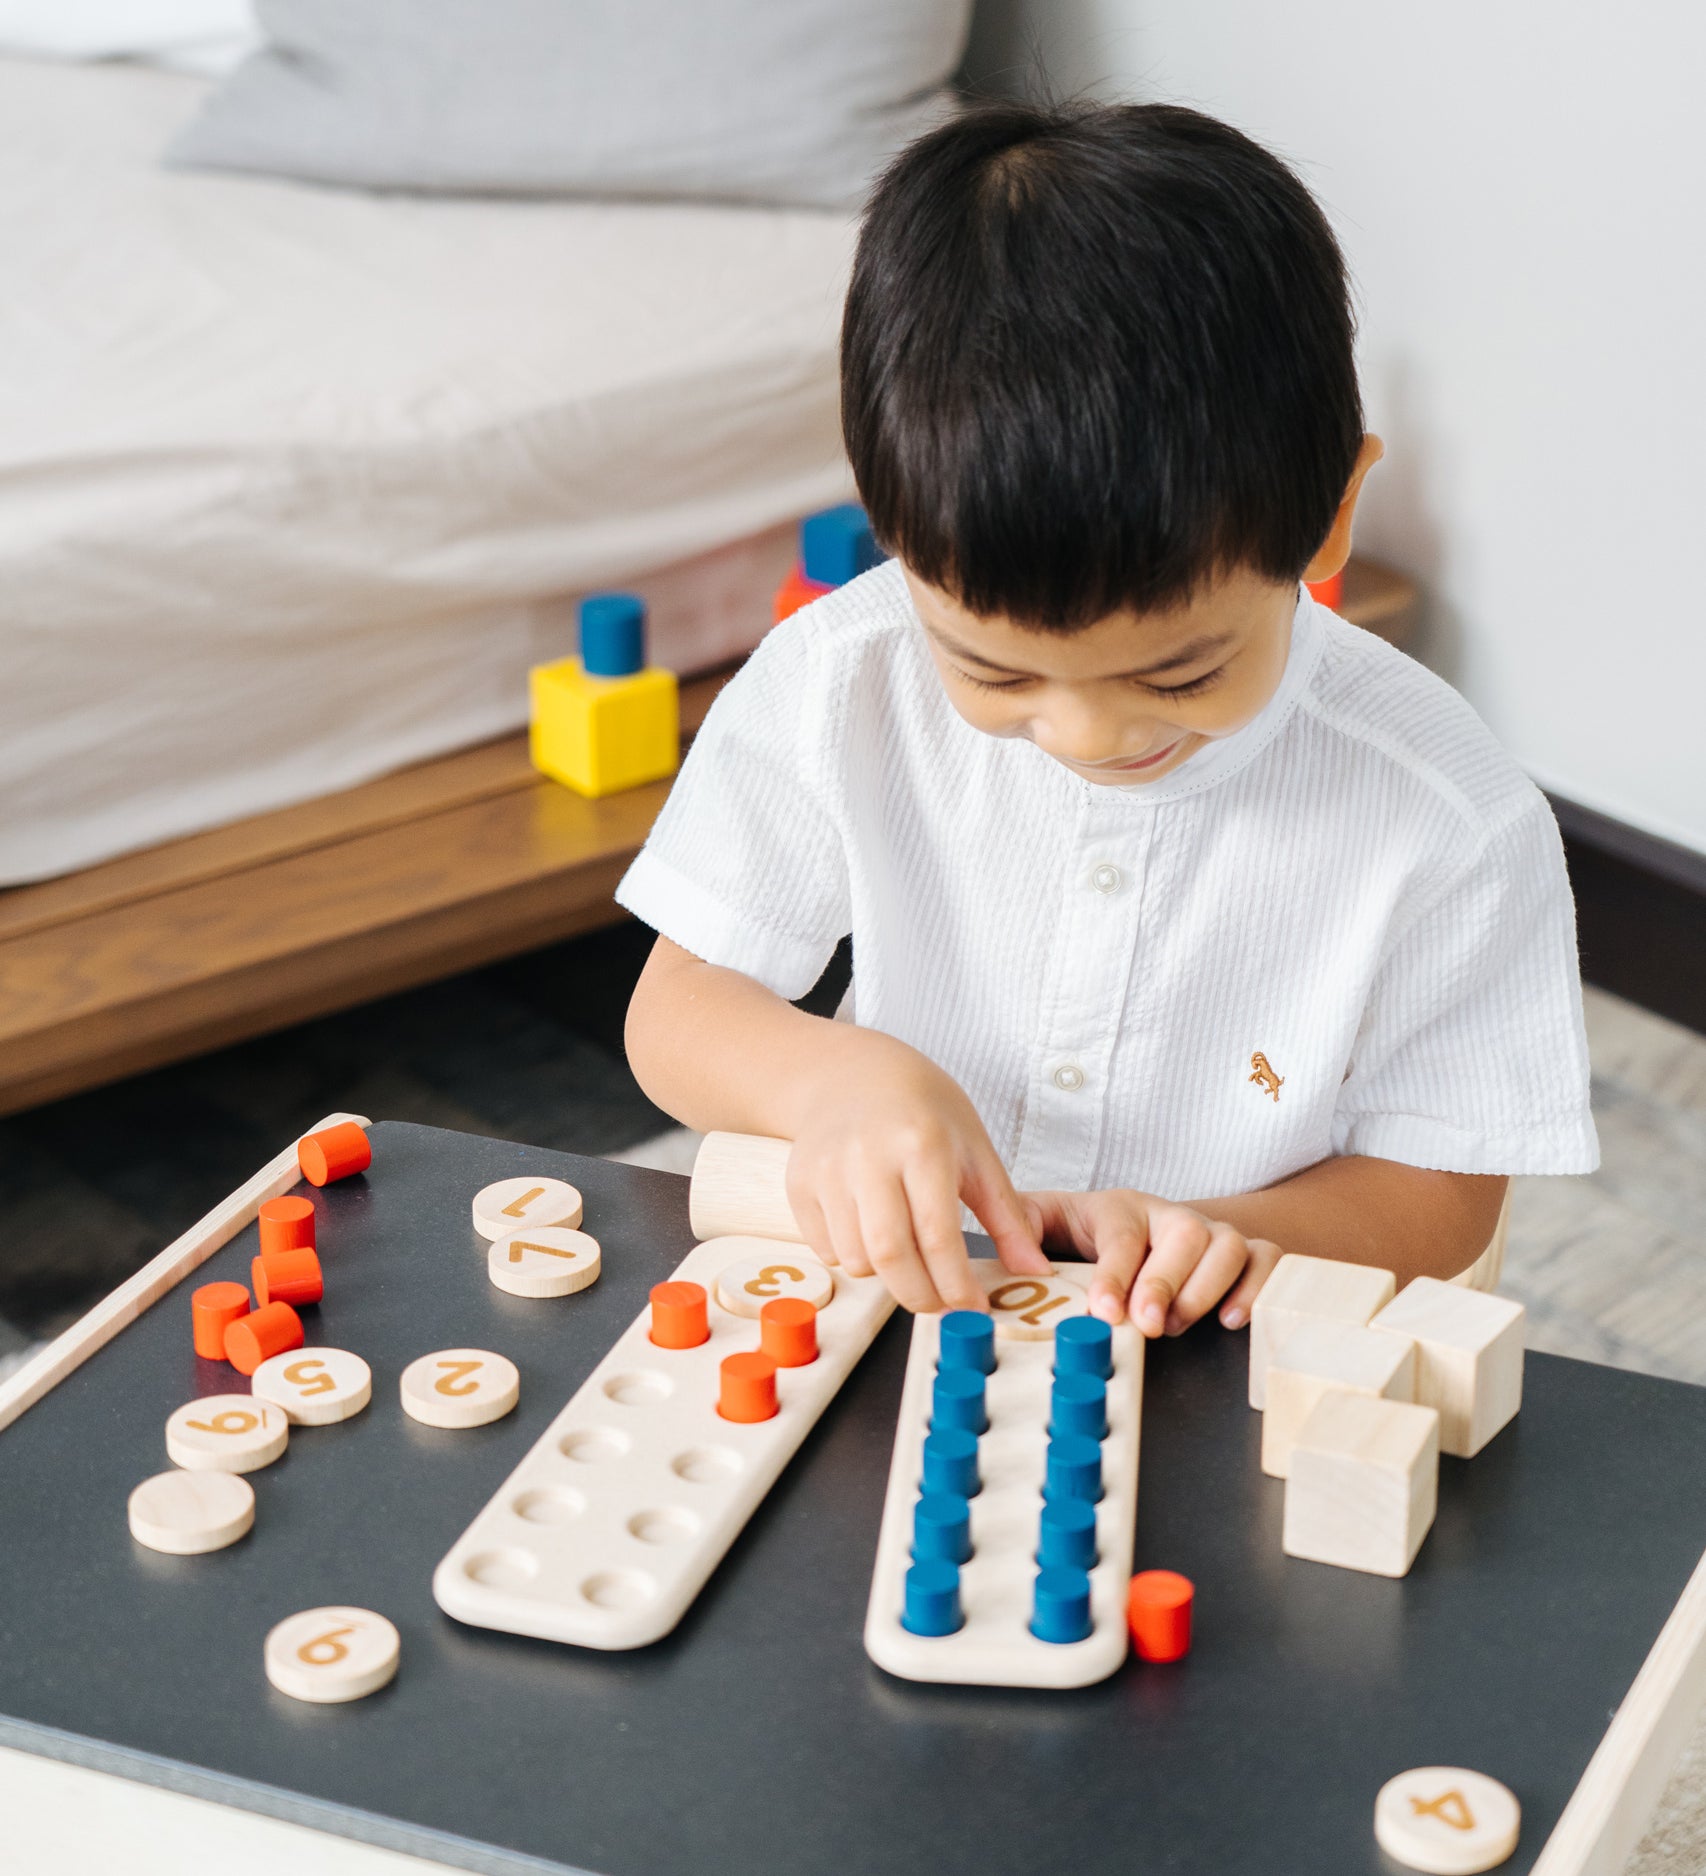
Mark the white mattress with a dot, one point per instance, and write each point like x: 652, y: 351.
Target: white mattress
x: 296, y: 483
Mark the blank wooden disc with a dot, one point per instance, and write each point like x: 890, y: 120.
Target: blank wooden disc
x: 519, y: 1204
x: 768, y: 1270
x: 1447, y: 1821
x: 1029, y: 1309
x: 551, y: 1261
x: 226, y: 1433
x: 330, y: 1655
x: 186, y: 1513
x: 460, y: 1387
x: 316, y: 1387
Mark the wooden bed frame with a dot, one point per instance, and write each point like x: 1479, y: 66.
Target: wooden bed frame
x: 454, y: 863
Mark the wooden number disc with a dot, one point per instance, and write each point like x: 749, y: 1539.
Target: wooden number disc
x: 551, y: 1261
x: 1447, y: 1821
x: 328, y: 1655
x: 522, y: 1204
x: 1028, y: 1309
x: 769, y: 1270
x: 226, y: 1433
x: 314, y: 1386
x: 186, y: 1513
x: 460, y: 1387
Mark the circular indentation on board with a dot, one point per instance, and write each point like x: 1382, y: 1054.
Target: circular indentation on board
x: 642, y: 1389
x: 663, y: 1527
x: 549, y: 1504
x: 706, y: 1465
x: 619, y: 1590
x: 502, y: 1569
x: 593, y: 1446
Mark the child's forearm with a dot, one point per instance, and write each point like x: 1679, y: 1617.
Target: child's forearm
x: 1405, y: 1219
x: 717, y: 1050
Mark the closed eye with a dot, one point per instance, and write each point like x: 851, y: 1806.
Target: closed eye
x: 1194, y: 688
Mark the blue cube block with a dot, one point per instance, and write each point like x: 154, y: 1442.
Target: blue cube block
x: 837, y: 545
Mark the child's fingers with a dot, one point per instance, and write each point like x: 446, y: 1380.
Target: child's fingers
x: 841, y: 1232
x: 885, y: 1225
x: 936, y: 1229
x: 1119, y: 1253
x: 1235, y: 1311
x: 1221, y: 1266
x: 1177, y: 1241
x: 1003, y: 1214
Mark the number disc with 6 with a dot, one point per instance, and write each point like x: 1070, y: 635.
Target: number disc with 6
x: 226, y: 1433
x: 328, y: 1655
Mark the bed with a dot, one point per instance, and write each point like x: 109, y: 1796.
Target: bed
x: 295, y: 483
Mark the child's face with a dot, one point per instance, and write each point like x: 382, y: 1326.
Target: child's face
x: 1128, y: 699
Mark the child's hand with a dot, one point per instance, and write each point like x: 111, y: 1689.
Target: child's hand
x: 1182, y: 1262
x: 878, y: 1173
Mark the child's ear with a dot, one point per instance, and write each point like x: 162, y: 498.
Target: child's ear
x: 1335, y: 550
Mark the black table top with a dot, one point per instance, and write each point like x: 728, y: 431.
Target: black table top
x: 758, y: 1737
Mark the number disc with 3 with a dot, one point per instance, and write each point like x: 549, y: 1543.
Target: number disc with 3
x: 328, y: 1655
x: 226, y: 1433
x: 760, y: 1271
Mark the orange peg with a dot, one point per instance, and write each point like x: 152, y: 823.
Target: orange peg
x: 1328, y: 592
x: 796, y: 591
x: 1158, y: 1607
x: 287, y: 1225
x: 680, y: 1318
x: 213, y: 1308
x: 748, y: 1390
x: 269, y: 1330
x: 334, y: 1153
x: 787, y: 1330
x: 287, y: 1277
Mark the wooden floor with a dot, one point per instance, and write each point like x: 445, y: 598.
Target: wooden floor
x: 164, y: 954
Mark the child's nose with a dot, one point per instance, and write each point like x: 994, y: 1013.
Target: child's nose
x: 1082, y: 730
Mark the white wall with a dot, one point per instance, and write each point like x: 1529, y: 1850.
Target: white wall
x: 1520, y: 186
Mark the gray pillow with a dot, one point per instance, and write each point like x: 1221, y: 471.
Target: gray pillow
x: 789, y: 101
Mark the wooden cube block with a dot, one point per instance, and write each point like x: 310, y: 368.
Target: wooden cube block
x: 1322, y: 1354
x: 1304, y: 1287
x: 1364, y: 1483
x: 1468, y: 1357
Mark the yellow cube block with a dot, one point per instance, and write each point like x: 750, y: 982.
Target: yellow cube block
x: 602, y: 734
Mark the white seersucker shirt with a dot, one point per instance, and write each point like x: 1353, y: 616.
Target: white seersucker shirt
x: 1359, y: 886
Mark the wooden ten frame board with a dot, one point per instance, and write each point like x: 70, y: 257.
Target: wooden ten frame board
x: 1596, y: 1831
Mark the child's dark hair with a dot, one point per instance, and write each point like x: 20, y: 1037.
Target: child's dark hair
x: 1094, y: 355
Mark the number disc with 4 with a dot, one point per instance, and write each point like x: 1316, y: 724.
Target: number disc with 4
x: 226, y: 1433
x: 328, y: 1655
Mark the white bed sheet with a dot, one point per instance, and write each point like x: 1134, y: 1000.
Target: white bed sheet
x: 295, y: 483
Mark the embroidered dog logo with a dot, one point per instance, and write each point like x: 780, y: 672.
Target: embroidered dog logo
x: 1262, y: 1073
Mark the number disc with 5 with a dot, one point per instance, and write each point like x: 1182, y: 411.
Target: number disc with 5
x: 328, y: 1655
x: 315, y: 1386
x: 226, y: 1433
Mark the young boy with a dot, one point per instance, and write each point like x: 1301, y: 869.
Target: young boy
x: 1225, y: 927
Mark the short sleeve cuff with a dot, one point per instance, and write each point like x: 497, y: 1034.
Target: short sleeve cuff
x: 685, y: 913
x: 1570, y: 1146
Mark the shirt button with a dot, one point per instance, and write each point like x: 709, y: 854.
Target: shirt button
x: 1107, y: 879
x: 1069, y: 1078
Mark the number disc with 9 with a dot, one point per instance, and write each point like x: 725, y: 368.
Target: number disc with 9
x: 328, y: 1655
